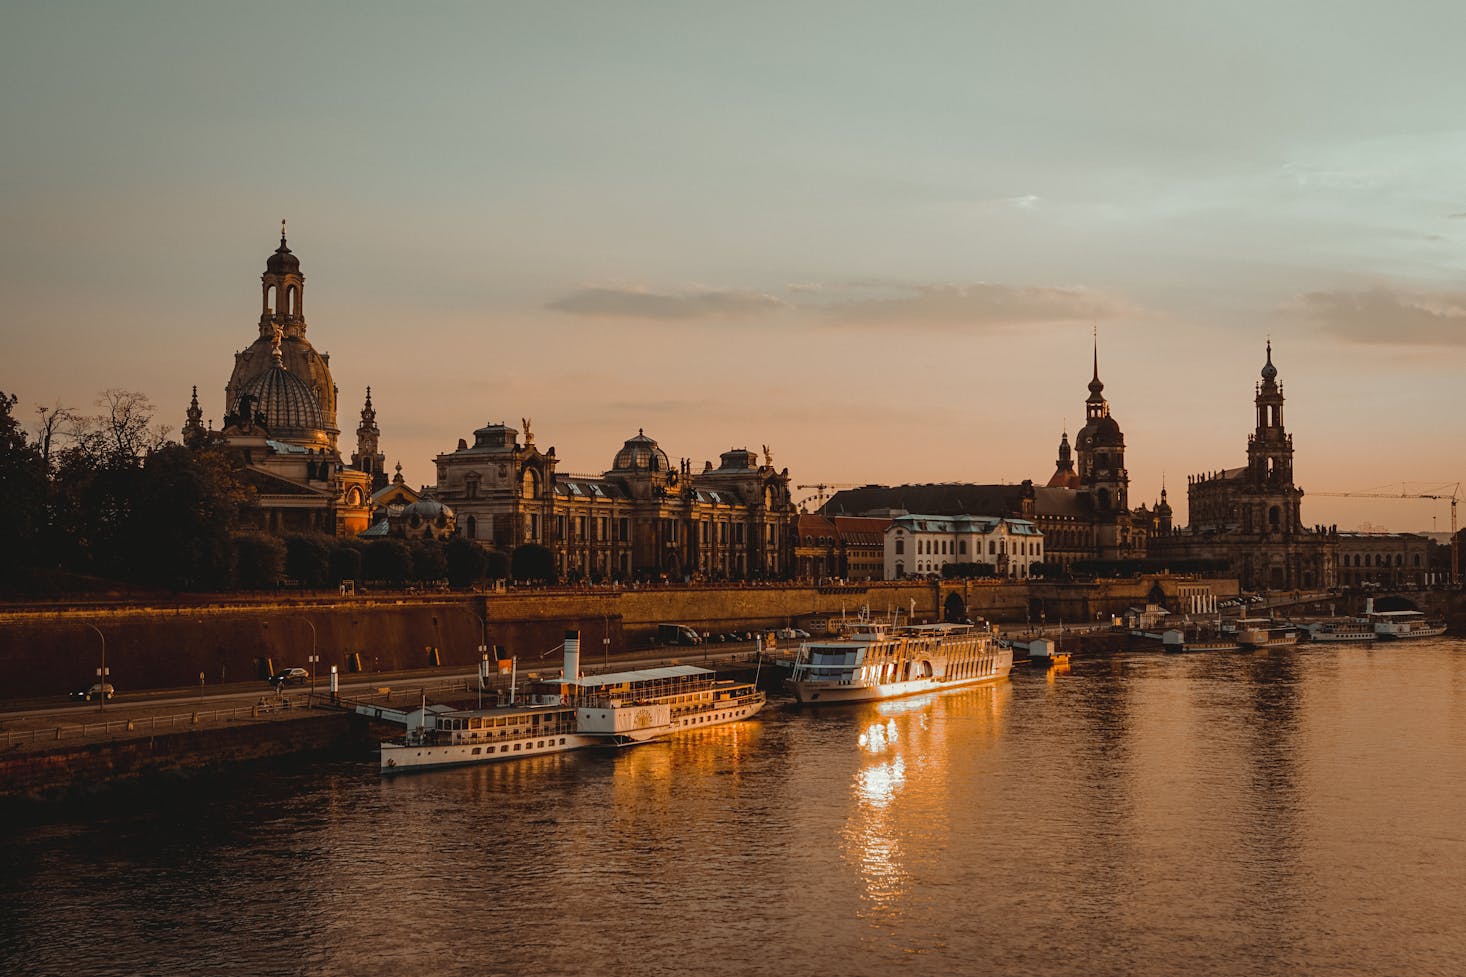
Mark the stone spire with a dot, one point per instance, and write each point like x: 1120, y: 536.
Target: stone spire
x: 193, y: 427
x: 367, y: 457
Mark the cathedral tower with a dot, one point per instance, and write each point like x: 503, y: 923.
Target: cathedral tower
x: 1270, y: 461
x: 282, y: 290
x: 367, y: 457
x: 1101, y: 449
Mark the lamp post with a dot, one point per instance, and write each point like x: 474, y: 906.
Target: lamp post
x: 102, y: 672
x: 606, y: 641
x: 483, y: 652
x: 313, y: 659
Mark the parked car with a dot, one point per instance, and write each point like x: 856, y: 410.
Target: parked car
x: 97, y: 690
x: 290, y: 676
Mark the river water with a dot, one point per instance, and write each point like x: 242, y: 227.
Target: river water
x: 1293, y: 812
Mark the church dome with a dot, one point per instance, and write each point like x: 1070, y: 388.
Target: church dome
x: 641, y: 454
x: 427, y: 512
x: 1100, y: 431
x: 287, y: 402
x: 282, y: 262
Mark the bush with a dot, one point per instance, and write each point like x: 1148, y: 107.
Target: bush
x: 961, y: 571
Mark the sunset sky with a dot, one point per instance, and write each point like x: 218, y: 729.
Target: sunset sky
x: 873, y: 237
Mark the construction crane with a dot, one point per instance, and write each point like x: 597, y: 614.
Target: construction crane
x: 1439, y: 494
x: 821, y: 496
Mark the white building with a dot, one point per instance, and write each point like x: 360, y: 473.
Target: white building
x: 918, y: 545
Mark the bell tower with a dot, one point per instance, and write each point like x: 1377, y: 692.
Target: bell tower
x: 1270, y: 460
x: 1101, y: 449
x: 367, y: 458
x: 282, y: 293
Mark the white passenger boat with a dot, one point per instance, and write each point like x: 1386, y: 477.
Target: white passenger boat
x: 570, y: 713
x: 876, y: 661
x: 1404, y: 625
x: 1354, y: 630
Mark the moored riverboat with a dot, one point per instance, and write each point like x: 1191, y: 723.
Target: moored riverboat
x: 873, y: 661
x: 570, y: 713
x: 1404, y: 625
x: 1342, y: 630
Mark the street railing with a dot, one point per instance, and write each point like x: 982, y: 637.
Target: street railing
x: 120, y: 728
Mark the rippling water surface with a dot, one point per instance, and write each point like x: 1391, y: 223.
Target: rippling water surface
x: 1293, y: 812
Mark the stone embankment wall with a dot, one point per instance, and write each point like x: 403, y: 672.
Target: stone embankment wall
x: 48, y: 652
x: 82, y: 768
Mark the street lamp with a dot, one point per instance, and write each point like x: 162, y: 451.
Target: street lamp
x: 313, y: 659
x: 102, y: 672
x: 483, y: 652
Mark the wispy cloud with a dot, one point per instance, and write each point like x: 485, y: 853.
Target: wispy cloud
x: 644, y: 303
x: 867, y: 302
x: 983, y: 304
x: 1388, y: 316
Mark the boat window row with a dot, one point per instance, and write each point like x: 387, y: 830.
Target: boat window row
x: 518, y: 747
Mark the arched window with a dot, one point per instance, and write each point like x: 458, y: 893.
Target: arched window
x: 530, y: 484
x: 900, y: 548
x: 472, y: 528
x: 290, y: 308
x: 1274, y: 516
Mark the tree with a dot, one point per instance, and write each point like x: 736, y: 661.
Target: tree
x: 497, y: 567
x: 346, y: 560
x: 389, y: 560
x: 428, y: 561
x: 261, y: 560
x: 54, y: 421
x: 466, y: 561
x: 183, y: 512
x: 23, y: 487
x: 532, y: 562
x: 308, y: 559
x: 126, y: 424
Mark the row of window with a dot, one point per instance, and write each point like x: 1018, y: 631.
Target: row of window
x: 1380, y: 560
x: 934, y: 547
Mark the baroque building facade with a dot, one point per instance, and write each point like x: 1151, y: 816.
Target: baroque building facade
x: 644, y: 518
x: 280, y: 419
x: 918, y: 545
x: 1251, y: 517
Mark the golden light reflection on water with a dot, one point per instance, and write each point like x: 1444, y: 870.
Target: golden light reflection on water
x: 902, y: 787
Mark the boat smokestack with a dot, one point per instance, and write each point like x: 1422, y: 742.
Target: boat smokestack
x: 1369, y: 605
x: 571, y: 670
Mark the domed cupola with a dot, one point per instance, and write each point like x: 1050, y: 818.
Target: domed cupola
x: 1269, y: 372
x: 282, y: 328
x: 428, y: 518
x: 641, y: 454
x: 283, y: 261
x: 284, y: 403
